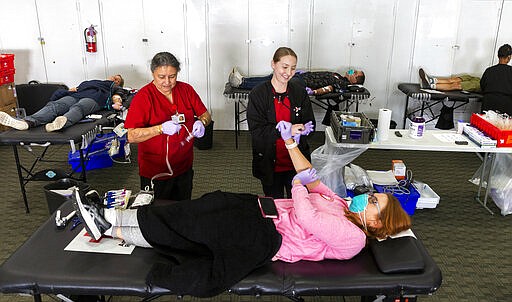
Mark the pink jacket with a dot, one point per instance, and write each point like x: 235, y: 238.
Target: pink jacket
x: 314, y: 227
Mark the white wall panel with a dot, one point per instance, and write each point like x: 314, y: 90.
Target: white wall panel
x: 475, y: 39
x: 504, y: 35
x: 300, y: 31
x: 436, y: 36
x: 268, y: 30
x: 19, y: 35
x: 122, y: 41
x: 64, y: 46
x: 228, y: 35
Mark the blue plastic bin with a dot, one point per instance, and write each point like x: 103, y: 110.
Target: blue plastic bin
x: 408, y: 201
x: 97, y: 153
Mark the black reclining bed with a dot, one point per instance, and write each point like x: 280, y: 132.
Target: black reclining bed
x: 328, y: 101
x: 32, y: 97
x: 431, y: 99
x: 41, y: 266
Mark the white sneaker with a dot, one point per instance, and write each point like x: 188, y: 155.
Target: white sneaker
x: 57, y: 124
x: 235, y: 78
x: 9, y: 121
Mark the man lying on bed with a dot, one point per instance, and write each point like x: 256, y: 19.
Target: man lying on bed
x: 68, y: 107
x: 315, y: 82
x: 216, y: 240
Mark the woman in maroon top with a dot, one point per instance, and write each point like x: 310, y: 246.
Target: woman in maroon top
x: 163, y: 118
x: 278, y: 99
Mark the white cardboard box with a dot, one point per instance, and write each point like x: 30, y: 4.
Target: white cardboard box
x: 428, y: 198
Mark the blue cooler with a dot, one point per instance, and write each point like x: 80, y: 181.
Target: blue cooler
x: 97, y: 153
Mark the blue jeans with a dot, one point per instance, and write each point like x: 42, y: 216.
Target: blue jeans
x: 74, y: 110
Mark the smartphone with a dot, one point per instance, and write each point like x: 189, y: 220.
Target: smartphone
x: 268, y: 207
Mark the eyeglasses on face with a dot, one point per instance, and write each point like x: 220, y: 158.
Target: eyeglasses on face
x: 373, y: 200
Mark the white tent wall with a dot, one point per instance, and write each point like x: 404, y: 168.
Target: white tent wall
x: 389, y: 40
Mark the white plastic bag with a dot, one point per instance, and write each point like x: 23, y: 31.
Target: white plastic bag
x: 330, y: 162
x: 501, y: 183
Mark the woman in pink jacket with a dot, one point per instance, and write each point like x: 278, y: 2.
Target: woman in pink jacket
x: 226, y: 236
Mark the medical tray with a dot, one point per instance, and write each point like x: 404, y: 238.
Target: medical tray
x: 503, y: 137
x: 347, y: 132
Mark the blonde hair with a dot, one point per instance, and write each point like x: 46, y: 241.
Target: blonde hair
x: 393, y: 218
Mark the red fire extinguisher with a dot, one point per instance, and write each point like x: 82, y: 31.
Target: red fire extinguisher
x: 90, y: 39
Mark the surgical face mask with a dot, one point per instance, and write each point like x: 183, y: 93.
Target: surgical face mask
x: 358, y: 203
x: 350, y: 72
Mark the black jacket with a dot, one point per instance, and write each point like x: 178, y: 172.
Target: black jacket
x: 261, y: 118
x: 99, y: 90
x: 496, y: 85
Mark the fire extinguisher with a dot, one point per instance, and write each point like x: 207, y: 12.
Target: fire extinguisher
x: 90, y: 39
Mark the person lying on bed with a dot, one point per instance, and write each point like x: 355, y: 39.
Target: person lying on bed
x: 216, y: 240
x: 68, y: 107
x: 315, y: 82
x: 464, y: 82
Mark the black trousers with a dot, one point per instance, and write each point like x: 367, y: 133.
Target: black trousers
x: 282, y: 183
x: 176, y: 188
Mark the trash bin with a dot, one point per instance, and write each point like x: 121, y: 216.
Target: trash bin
x: 56, y: 193
x: 206, y: 141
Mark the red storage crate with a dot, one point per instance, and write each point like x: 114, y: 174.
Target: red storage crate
x: 6, y: 61
x: 504, y: 137
x: 6, y: 76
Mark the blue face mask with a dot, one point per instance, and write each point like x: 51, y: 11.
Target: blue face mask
x: 358, y: 203
x: 350, y: 72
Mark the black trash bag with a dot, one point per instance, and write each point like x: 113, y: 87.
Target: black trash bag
x: 445, y: 120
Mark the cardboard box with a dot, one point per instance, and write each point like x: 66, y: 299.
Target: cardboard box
x: 7, y: 94
x: 10, y: 110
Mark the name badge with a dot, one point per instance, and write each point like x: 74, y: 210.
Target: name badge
x: 178, y: 118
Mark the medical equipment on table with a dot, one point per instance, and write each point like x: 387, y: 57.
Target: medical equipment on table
x: 61, y: 222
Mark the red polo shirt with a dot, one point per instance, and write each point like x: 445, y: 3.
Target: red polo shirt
x: 150, y: 107
x: 283, y: 160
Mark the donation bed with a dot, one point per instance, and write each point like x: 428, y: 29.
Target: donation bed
x: 32, y: 97
x: 430, y: 98
x: 395, y: 267
x: 329, y: 101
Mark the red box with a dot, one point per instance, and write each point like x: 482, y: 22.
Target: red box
x: 504, y: 137
x: 6, y: 76
x: 6, y: 61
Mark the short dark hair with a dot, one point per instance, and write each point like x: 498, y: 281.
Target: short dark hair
x: 360, y: 79
x: 504, y: 51
x: 164, y: 59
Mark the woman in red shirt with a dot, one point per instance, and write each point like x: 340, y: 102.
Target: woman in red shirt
x: 163, y: 118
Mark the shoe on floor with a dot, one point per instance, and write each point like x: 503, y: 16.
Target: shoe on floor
x: 57, y: 124
x: 9, y: 121
x: 235, y: 78
x: 90, y: 213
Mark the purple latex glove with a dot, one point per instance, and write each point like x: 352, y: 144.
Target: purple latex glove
x: 296, y: 138
x: 285, y: 128
x: 198, y: 129
x: 170, y: 128
x: 309, y: 91
x: 299, y: 71
x: 306, y: 176
x: 308, y: 128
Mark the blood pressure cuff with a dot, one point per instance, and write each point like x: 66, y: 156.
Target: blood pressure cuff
x: 397, y: 255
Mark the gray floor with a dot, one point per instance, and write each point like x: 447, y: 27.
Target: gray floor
x: 472, y: 247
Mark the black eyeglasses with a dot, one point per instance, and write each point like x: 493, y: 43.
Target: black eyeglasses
x: 373, y: 200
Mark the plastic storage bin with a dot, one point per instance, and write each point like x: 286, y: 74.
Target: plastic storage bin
x: 348, y: 133
x: 6, y: 61
x: 56, y: 198
x: 408, y: 201
x: 503, y: 137
x: 97, y: 153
